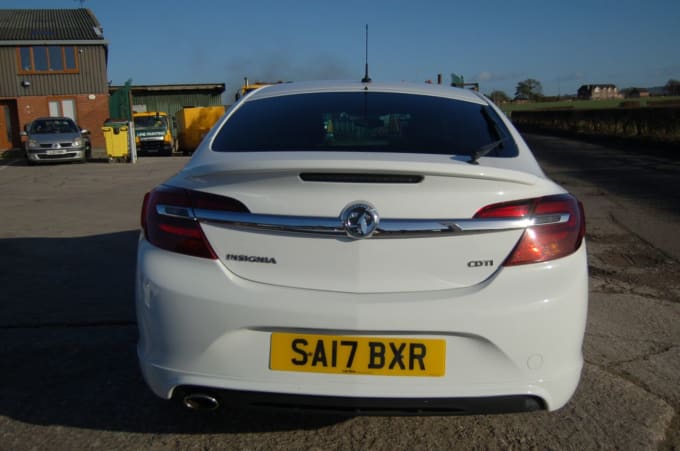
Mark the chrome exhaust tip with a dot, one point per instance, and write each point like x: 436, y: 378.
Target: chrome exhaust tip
x: 200, y: 401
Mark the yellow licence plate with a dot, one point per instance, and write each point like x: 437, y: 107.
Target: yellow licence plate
x: 357, y: 355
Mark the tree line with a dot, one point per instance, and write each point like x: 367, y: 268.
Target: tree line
x: 532, y: 90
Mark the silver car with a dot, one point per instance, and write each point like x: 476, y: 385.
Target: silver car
x: 51, y: 139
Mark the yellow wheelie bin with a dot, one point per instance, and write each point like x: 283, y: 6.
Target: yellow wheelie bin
x: 116, y: 138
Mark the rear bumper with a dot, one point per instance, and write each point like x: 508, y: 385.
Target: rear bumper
x: 517, y: 335
x: 367, y: 405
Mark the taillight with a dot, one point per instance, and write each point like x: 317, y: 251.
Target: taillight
x: 169, y: 222
x: 556, y: 227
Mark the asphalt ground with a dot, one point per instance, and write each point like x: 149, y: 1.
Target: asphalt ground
x: 69, y: 377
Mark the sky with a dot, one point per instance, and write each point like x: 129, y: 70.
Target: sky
x: 497, y: 43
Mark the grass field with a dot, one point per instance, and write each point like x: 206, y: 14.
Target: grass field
x: 508, y: 108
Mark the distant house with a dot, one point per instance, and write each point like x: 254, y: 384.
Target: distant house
x: 636, y: 93
x: 53, y: 62
x: 598, y: 92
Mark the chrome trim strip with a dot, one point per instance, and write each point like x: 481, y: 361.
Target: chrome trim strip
x: 301, y: 224
x: 175, y: 212
x: 387, y: 228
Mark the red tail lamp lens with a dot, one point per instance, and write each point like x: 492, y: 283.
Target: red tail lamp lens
x: 540, y: 243
x: 175, y: 229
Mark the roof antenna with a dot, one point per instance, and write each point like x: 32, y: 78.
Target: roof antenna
x: 366, y: 78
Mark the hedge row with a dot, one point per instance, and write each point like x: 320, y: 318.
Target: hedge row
x: 661, y: 125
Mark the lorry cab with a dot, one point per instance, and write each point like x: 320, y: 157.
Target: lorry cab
x: 153, y: 133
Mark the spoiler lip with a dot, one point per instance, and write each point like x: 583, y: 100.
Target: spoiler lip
x: 270, y: 163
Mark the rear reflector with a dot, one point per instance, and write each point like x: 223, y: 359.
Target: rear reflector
x: 169, y: 223
x: 542, y: 241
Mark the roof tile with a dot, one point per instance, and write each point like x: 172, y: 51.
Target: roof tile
x: 49, y: 25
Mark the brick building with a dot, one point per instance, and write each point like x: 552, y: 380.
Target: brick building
x: 53, y: 62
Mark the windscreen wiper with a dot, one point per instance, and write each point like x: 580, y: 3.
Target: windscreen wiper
x: 485, y: 149
x: 494, y: 131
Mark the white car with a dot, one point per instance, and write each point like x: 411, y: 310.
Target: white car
x: 367, y: 248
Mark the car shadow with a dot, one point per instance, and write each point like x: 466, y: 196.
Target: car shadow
x: 11, y: 157
x: 68, y: 337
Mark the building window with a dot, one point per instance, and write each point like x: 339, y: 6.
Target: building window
x: 63, y: 107
x: 50, y: 59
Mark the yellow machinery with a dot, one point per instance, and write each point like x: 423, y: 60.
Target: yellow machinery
x: 193, y: 123
x: 153, y: 133
x: 248, y: 87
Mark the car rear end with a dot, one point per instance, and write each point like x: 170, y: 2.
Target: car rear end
x: 346, y: 277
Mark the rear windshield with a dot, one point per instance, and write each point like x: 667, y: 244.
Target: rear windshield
x: 364, y: 122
